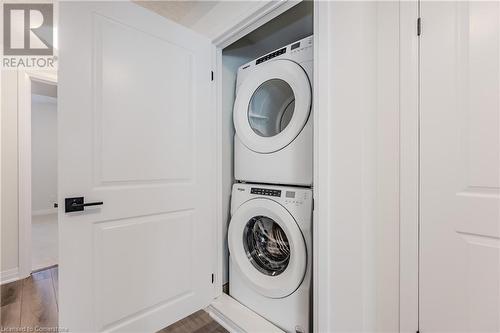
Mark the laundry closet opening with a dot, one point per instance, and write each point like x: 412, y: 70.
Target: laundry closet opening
x: 267, y: 167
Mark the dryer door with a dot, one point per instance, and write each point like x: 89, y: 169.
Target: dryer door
x: 272, y: 106
x: 267, y: 247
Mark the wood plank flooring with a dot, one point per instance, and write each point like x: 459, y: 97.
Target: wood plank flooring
x: 33, y: 303
x: 198, y: 322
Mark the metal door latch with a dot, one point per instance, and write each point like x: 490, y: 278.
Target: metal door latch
x: 77, y: 205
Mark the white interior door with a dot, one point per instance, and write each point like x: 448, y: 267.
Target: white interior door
x: 460, y: 167
x: 137, y: 132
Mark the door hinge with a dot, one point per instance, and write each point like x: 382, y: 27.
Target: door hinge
x: 419, y: 26
x: 213, y: 277
x: 211, y: 75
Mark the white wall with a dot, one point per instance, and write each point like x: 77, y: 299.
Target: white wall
x: 9, y: 186
x: 230, y: 64
x: 357, y: 215
x: 43, y: 154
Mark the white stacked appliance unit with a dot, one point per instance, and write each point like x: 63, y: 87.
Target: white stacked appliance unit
x: 269, y: 237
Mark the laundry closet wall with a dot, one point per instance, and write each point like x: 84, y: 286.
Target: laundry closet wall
x: 230, y: 65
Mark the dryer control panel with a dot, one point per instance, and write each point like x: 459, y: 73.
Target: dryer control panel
x: 271, y: 55
x: 300, y: 51
x: 265, y: 191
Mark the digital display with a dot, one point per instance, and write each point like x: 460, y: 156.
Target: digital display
x: 294, y: 46
x: 290, y: 194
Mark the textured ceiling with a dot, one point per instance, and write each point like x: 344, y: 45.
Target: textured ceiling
x: 187, y: 13
x: 208, y: 18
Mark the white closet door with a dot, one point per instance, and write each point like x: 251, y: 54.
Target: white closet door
x: 460, y: 167
x: 137, y: 132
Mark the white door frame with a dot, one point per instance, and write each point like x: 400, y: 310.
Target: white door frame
x: 321, y: 193
x: 409, y: 168
x: 25, y: 78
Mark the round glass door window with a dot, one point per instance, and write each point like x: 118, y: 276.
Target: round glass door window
x: 266, y: 245
x: 271, y: 107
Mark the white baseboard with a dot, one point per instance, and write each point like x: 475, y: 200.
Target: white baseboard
x: 9, y: 275
x: 44, y: 211
x: 44, y: 265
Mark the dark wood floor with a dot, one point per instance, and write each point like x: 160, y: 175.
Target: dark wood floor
x: 33, y: 302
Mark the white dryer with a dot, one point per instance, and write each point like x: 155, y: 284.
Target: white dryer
x: 270, y: 246
x: 273, y: 117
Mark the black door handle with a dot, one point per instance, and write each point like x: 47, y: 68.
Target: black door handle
x: 77, y: 205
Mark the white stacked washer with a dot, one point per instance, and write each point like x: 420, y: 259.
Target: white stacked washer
x: 273, y: 118
x: 269, y: 234
x: 270, y: 244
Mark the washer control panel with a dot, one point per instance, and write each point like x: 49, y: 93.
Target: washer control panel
x: 288, y: 196
x: 292, y: 198
x: 265, y: 191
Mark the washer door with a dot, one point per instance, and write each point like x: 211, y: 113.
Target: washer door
x: 267, y: 247
x: 272, y: 106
